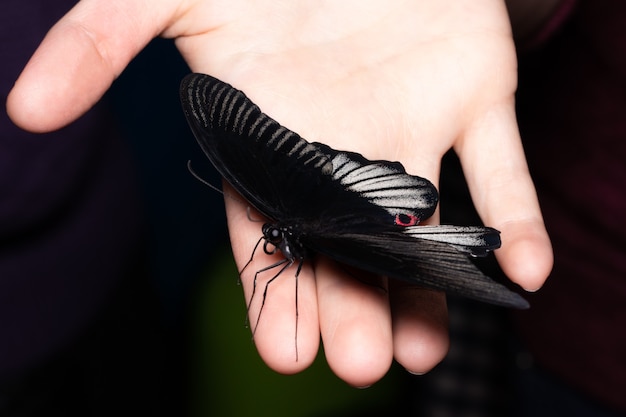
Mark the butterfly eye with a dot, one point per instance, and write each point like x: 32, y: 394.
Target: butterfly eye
x: 405, y: 220
x: 272, y: 234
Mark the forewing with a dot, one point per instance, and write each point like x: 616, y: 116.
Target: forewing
x: 425, y: 262
x: 287, y: 178
x: 265, y: 162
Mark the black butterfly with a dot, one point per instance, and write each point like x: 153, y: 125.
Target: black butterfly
x: 359, y: 212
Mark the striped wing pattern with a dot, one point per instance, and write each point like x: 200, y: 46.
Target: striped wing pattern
x: 386, y: 185
x: 359, y: 212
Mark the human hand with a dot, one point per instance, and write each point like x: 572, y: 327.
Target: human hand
x: 402, y: 81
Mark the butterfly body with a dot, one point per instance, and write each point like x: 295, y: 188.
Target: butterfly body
x: 362, y: 213
x: 287, y: 240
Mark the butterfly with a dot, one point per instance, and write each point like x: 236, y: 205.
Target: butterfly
x: 361, y: 213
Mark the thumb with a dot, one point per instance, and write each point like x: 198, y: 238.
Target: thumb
x: 80, y: 57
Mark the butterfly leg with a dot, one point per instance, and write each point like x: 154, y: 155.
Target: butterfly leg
x: 297, y: 314
x: 286, y: 264
x: 251, y: 256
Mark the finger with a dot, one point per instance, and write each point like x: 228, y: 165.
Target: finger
x: 282, y: 314
x: 355, y: 323
x: 420, y: 326
x: 80, y: 57
x: 495, y: 167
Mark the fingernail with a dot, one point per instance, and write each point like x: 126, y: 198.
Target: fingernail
x: 414, y: 372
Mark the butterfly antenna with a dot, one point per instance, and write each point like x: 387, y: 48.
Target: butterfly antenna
x: 202, y: 180
x: 248, y: 214
x: 211, y: 186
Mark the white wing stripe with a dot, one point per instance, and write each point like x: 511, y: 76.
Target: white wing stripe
x: 381, y: 185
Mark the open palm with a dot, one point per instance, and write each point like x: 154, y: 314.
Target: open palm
x: 399, y: 81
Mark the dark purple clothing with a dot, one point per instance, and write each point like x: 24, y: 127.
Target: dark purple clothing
x: 572, y: 113
x: 69, y: 215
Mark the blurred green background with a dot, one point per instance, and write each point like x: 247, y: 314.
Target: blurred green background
x: 231, y: 380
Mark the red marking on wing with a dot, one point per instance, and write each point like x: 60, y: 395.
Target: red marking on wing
x: 405, y: 220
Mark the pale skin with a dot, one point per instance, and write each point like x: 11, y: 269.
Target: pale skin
x: 403, y: 80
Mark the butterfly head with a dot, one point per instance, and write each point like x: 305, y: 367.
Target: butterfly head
x: 283, y: 239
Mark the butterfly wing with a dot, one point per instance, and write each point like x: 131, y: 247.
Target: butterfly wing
x: 340, y: 204
x: 259, y: 158
x: 434, y: 257
x: 470, y: 240
x: 287, y: 178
